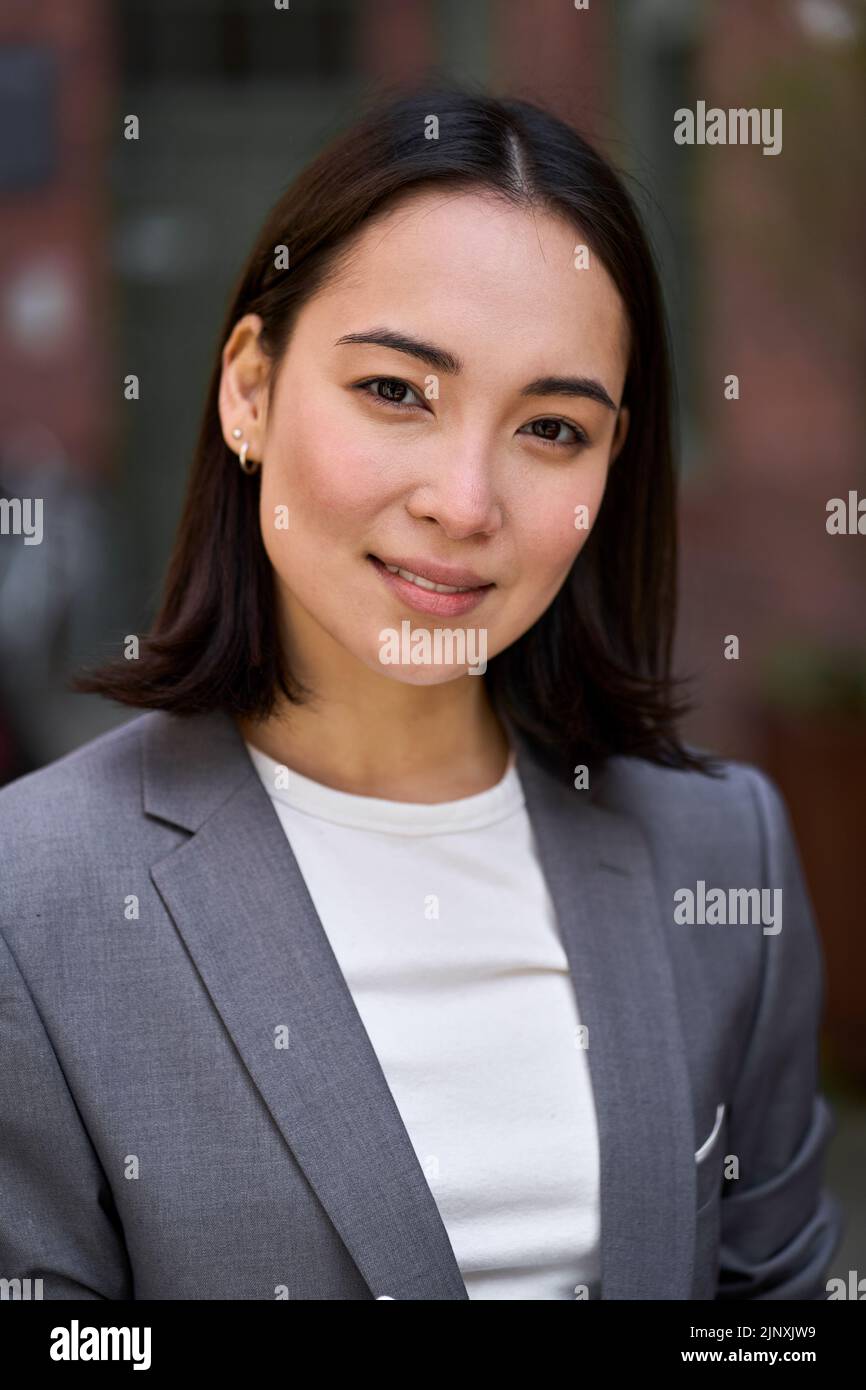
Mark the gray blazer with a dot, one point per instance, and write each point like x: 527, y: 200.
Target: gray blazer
x: 156, y: 1144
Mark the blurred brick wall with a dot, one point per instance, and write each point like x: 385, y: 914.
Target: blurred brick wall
x: 396, y: 40
x: 561, y: 57
x: 783, y: 270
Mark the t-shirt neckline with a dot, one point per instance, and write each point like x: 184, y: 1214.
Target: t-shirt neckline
x: 312, y: 798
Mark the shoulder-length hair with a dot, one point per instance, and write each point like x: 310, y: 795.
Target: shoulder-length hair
x: 592, y: 676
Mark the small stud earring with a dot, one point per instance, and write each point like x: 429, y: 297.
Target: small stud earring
x: 237, y: 432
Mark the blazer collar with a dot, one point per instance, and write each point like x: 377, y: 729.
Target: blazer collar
x: 239, y: 900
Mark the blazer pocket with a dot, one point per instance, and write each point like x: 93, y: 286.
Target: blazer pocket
x: 708, y: 1168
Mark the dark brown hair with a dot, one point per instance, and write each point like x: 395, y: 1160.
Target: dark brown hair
x: 593, y: 675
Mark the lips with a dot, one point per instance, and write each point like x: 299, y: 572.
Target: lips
x: 444, y: 592
x: 430, y: 572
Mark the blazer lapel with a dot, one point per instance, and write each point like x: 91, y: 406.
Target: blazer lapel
x: 599, y: 874
x: 237, y: 896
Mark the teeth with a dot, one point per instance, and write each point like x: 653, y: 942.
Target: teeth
x: 427, y: 583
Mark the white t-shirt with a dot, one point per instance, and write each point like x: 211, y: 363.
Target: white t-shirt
x: 441, y: 922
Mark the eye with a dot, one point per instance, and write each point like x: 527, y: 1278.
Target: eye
x: 547, y: 430
x: 390, y: 390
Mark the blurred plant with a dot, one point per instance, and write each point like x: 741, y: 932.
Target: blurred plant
x: 805, y: 678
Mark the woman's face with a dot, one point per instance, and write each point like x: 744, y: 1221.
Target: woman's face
x: 448, y: 405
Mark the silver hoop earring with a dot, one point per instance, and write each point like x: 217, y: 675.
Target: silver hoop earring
x: 253, y: 464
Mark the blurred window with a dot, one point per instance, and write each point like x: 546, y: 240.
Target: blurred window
x: 658, y: 45
x: 236, y: 40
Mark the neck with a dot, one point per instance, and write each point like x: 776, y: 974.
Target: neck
x: 388, y: 739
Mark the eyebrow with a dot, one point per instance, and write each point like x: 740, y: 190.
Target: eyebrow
x: 401, y: 342
x: 445, y: 361
x: 569, y: 386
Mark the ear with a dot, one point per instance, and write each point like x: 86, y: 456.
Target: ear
x: 619, y: 433
x: 243, y: 386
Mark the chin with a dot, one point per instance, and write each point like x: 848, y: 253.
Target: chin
x: 416, y: 675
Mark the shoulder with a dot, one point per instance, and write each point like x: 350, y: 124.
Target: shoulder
x: 732, y: 898
x: 737, y: 815
x: 82, y: 810
x: 729, y: 836
x: 75, y: 783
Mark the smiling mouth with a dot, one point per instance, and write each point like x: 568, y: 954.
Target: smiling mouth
x: 421, y: 582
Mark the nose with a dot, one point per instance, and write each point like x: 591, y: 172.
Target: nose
x: 460, y: 492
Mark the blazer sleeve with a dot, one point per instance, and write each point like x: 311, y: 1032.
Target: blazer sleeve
x: 779, y: 1226
x: 57, y: 1217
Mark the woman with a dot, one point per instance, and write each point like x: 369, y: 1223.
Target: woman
x: 362, y: 965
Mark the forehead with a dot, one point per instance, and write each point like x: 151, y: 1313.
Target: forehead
x: 474, y: 274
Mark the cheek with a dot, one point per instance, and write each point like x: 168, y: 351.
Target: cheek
x: 547, y: 542
x: 318, y: 469
x: 558, y: 520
